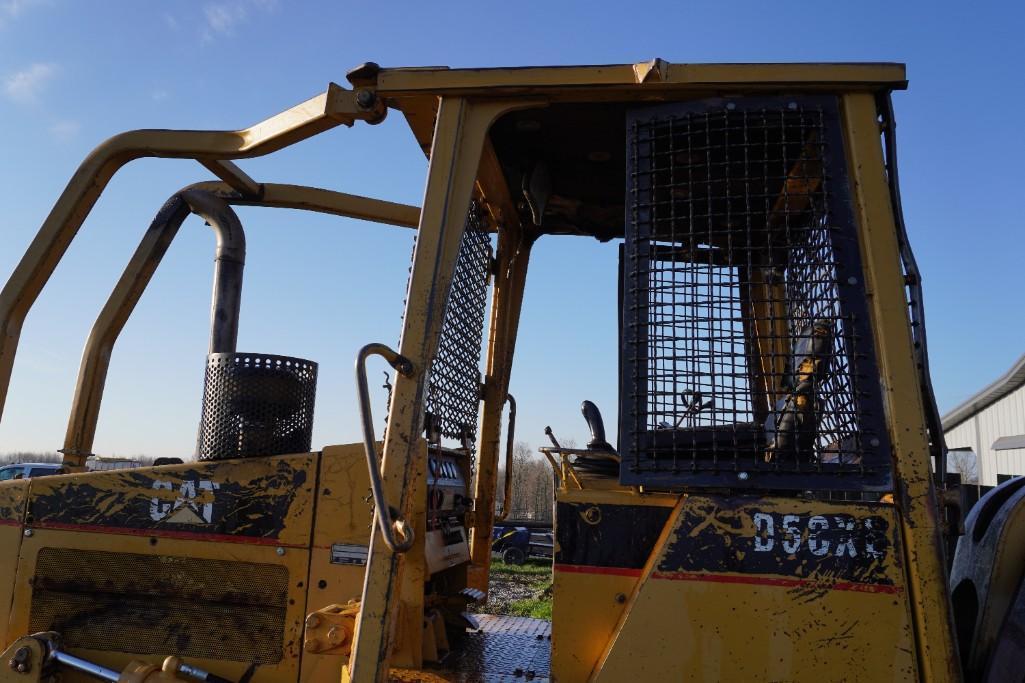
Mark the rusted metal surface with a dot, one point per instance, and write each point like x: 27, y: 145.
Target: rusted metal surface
x: 12, y: 501
x: 160, y: 604
x: 267, y: 500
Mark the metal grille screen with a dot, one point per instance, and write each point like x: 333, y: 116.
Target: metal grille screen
x: 256, y: 405
x: 746, y: 348
x: 150, y: 604
x: 453, y: 394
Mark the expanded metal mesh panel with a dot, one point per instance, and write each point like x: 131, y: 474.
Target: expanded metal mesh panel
x: 165, y: 605
x: 256, y: 404
x: 453, y: 394
x: 746, y: 346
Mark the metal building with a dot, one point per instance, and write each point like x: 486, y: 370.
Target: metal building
x: 992, y: 424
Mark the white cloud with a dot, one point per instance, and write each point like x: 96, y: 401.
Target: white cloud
x: 12, y: 9
x: 159, y: 95
x: 223, y: 17
x: 62, y: 131
x: 169, y: 21
x: 25, y: 85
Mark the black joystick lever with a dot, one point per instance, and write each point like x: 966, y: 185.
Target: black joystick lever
x: 597, y: 426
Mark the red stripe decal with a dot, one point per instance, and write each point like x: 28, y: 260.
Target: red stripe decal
x: 779, y: 581
x: 587, y: 569
x: 10, y: 522
x: 165, y: 533
x: 734, y: 578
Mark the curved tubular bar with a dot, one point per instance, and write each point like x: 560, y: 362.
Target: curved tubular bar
x: 387, y: 517
x: 78, y: 441
x: 229, y: 261
x: 327, y: 110
x: 509, y: 442
x: 224, y: 311
x: 305, y: 198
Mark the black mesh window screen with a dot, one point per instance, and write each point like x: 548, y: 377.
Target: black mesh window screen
x: 747, y: 356
x: 453, y: 391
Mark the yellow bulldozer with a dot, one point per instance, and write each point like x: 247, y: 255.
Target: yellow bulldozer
x: 775, y: 505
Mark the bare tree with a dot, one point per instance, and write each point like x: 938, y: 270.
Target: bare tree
x: 964, y: 462
x: 533, y: 486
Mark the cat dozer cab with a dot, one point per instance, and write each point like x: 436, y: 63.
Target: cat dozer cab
x: 768, y: 510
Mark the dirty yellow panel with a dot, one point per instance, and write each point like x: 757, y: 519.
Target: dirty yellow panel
x: 254, y: 500
x: 604, y: 536
x: 585, y: 609
x: 341, y: 536
x: 13, y: 495
x: 116, y: 598
x: 769, y: 589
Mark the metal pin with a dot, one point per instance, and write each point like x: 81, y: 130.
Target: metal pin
x: 280, y: 551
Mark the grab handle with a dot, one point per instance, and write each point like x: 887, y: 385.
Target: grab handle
x: 387, y: 517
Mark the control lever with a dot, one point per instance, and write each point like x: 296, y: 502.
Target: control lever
x: 597, y: 426
x: 48, y: 647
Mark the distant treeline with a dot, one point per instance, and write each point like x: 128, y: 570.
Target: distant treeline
x: 533, y: 485
x: 26, y: 456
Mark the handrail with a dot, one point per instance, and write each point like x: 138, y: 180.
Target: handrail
x: 224, y: 314
x: 385, y: 520
x: 92, y: 373
x: 336, y: 106
x: 500, y: 517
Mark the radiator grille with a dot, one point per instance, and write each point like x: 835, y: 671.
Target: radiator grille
x: 745, y: 340
x: 149, y: 604
x: 453, y: 393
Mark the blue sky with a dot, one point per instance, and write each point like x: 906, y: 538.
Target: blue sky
x: 74, y: 73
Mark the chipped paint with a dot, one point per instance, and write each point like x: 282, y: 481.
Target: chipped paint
x: 261, y: 499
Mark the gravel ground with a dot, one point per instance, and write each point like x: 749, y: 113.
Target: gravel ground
x: 511, y: 585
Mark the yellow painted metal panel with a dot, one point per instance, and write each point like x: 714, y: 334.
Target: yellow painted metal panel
x: 295, y: 560
x: 585, y: 610
x: 768, y: 589
x: 491, y: 82
x: 915, y: 497
x: 13, y: 496
x: 341, y: 533
x: 261, y: 500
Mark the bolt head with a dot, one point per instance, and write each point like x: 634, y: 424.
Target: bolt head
x: 28, y: 533
x: 280, y: 551
x: 742, y: 476
x: 365, y: 98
